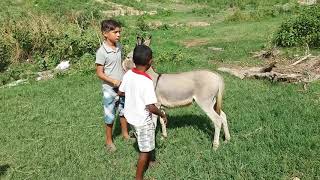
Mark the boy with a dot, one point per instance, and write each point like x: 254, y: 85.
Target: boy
x: 109, y: 70
x: 137, y: 86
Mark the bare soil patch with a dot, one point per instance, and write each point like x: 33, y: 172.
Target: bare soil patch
x: 195, y: 42
x: 122, y: 10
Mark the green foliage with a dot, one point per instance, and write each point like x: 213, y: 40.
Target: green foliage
x: 83, y: 9
x: 172, y: 56
x: 164, y: 12
x: 54, y: 130
x: 208, y: 12
x: 142, y: 24
x: 16, y: 72
x: 260, y: 12
x: 85, y: 65
x: 242, y: 4
x: 300, y: 30
x: 135, y: 4
x: 44, y: 42
x: 50, y: 132
x: 4, y: 56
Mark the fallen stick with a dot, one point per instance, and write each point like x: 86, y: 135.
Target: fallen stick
x: 300, y: 60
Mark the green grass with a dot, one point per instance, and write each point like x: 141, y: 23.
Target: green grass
x: 54, y: 129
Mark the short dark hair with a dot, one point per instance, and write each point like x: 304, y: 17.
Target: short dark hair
x: 109, y: 25
x: 142, y: 54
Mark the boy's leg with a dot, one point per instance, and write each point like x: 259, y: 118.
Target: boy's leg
x: 143, y: 162
x: 146, y: 144
x: 124, y: 127
x: 109, y: 115
x: 109, y: 134
x: 152, y: 159
x: 123, y: 120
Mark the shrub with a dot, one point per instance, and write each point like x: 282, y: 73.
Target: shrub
x: 173, y: 56
x: 42, y: 42
x: 303, y: 29
x: 141, y: 24
x: 4, y: 56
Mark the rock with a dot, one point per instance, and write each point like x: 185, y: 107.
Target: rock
x: 307, y: 2
x: 215, y: 49
x: 45, y: 75
x: 64, y: 65
x: 15, y: 83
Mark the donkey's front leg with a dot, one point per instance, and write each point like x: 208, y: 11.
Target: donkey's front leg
x: 163, y: 127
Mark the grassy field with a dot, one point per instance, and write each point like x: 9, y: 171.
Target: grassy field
x: 54, y: 129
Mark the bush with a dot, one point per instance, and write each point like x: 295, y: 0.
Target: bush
x: 43, y: 42
x: 259, y: 12
x: 300, y: 30
x: 4, y: 56
x: 38, y: 37
x: 141, y: 24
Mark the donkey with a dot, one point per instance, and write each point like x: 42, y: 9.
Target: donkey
x: 173, y: 90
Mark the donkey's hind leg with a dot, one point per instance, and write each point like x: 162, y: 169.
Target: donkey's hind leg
x: 225, y: 126
x: 207, y: 107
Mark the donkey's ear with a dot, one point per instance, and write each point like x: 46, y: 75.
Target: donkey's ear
x: 147, y: 42
x: 139, y: 41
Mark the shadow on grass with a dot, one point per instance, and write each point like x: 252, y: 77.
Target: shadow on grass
x: 3, y: 169
x: 201, y: 122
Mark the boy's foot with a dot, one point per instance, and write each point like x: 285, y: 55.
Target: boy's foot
x: 110, y: 147
x: 153, y: 164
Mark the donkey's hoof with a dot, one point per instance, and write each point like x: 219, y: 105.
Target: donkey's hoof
x: 227, y: 139
x: 163, y: 137
x: 215, y: 146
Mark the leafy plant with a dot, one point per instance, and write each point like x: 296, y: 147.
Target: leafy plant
x: 300, y: 30
x: 141, y: 24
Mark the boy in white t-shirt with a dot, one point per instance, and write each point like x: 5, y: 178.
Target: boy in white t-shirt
x: 140, y: 98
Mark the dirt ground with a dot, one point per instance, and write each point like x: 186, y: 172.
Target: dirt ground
x: 304, y: 69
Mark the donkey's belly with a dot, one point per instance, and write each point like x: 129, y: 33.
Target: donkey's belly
x: 175, y: 97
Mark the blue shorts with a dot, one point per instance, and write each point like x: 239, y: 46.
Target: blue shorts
x: 111, y: 103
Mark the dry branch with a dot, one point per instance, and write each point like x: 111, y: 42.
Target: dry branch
x: 300, y: 60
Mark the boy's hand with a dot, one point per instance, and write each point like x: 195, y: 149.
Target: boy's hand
x: 116, y: 83
x: 164, y: 117
x: 121, y: 93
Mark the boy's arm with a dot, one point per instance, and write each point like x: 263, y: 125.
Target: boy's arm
x: 153, y: 109
x: 102, y: 76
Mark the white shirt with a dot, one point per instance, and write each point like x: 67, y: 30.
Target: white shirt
x: 139, y: 92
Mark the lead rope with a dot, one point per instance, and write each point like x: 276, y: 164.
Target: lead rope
x: 155, y: 88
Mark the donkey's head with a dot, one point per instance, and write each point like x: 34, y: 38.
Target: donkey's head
x: 128, y: 61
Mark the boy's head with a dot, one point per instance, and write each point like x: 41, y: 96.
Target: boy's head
x: 111, y: 30
x: 142, y: 55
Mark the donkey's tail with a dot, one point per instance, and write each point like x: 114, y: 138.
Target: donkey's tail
x: 218, y: 104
